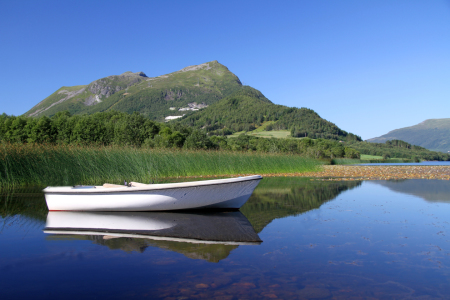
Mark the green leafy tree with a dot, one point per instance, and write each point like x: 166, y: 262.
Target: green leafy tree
x: 198, y: 140
x: 41, y: 131
x: 17, y: 132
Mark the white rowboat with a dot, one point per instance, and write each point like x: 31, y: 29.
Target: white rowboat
x: 229, y: 193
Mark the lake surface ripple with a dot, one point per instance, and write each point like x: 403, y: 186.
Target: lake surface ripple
x: 296, y: 238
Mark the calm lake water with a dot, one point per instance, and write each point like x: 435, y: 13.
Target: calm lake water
x: 295, y: 239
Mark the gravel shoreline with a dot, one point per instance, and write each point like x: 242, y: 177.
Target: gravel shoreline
x: 339, y: 172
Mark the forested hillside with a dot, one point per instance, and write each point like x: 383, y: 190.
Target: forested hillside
x: 248, y: 109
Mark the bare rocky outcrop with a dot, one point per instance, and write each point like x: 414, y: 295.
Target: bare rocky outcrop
x: 101, y: 87
x: 171, y: 95
x: 112, y: 84
x: 91, y: 100
x: 142, y: 74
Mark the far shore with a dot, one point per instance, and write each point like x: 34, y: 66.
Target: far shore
x: 377, y: 172
x: 346, y: 172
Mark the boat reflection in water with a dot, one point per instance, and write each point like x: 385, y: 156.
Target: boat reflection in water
x: 203, y: 235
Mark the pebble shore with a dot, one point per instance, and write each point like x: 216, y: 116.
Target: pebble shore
x: 340, y: 172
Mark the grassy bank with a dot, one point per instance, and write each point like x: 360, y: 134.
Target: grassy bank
x: 69, y: 165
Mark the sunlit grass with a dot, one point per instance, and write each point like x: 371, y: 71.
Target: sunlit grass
x: 69, y: 165
x: 280, y: 134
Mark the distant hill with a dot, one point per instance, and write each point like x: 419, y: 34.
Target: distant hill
x: 432, y: 134
x: 154, y: 97
x: 248, y: 109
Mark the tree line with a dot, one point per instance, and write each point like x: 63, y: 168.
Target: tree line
x: 123, y: 129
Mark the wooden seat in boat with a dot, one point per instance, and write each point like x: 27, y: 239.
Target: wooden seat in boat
x: 110, y: 185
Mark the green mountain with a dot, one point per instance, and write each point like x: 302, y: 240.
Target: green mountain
x: 208, y: 95
x: 156, y: 97
x: 247, y: 109
x: 432, y: 134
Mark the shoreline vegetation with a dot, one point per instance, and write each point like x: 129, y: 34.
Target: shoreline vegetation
x: 43, y: 165
x: 118, y: 129
x: 115, y: 147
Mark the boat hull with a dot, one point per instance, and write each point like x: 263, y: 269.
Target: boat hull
x: 225, y: 194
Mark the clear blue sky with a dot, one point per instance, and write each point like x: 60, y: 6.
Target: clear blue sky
x: 367, y: 66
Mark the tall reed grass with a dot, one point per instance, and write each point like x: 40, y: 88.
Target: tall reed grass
x: 69, y: 165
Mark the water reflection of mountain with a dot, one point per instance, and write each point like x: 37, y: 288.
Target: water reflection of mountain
x: 279, y: 197
x: 200, y: 235
x: 208, y: 252
x: 429, y: 190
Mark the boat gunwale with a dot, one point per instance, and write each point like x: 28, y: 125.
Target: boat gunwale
x: 152, y: 187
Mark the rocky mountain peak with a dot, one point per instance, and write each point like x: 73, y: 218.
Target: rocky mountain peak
x: 135, y: 91
x: 131, y: 74
x: 142, y: 74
